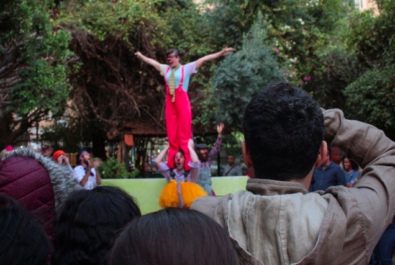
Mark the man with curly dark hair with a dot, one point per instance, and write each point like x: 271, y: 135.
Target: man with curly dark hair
x: 276, y: 220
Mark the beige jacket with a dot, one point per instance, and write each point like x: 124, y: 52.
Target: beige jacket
x: 276, y: 222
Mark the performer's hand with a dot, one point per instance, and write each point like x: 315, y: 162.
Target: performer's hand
x: 220, y: 128
x: 138, y: 55
x: 226, y: 51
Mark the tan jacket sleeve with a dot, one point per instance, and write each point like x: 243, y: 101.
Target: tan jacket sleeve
x: 371, y: 203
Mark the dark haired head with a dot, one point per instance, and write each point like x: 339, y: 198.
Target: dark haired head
x: 88, y: 223
x: 354, y: 164
x: 283, y: 130
x: 22, y: 239
x: 177, y: 52
x: 173, y: 236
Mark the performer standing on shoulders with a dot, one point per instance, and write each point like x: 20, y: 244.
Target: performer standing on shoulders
x: 182, y: 190
x: 178, y: 106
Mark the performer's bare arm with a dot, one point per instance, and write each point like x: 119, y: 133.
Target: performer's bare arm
x: 148, y: 60
x: 212, y: 56
x: 158, y: 160
x: 192, y: 152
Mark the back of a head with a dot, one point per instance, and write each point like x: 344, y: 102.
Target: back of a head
x: 88, y: 223
x: 23, y: 240
x: 173, y: 236
x: 283, y: 129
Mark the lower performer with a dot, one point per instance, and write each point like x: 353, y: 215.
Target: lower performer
x: 182, y: 189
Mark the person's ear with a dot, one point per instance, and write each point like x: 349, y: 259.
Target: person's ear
x: 246, y: 155
x: 322, y: 155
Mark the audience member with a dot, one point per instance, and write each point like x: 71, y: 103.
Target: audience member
x: 276, y: 220
x: 232, y: 169
x: 173, y: 236
x: 23, y: 240
x: 6, y: 151
x: 37, y: 182
x: 61, y: 158
x: 47, y: 151
x: 350, y: 170
x: 88, y: 223
x: 382, y: 254
x: 86, y: 173
x: 327, y: 175
x: 206, y: 158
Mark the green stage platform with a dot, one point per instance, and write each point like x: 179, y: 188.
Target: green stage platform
x: 147, y: 191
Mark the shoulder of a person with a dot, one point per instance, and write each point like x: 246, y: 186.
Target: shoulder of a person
x: 78, y: 168
x: 206, y: 205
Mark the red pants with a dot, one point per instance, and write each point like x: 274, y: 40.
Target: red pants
x: 178, y: 125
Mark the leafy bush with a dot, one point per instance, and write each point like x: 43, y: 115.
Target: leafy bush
x: 111, y: 169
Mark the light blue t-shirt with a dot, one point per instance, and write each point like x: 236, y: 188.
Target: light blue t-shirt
x: 189, y: 69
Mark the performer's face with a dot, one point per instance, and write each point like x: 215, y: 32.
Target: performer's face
x: 179, y: 160
x: 173, y: 60
x: 202, y: 155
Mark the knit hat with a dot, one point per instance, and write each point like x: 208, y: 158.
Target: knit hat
x: 57, y: 154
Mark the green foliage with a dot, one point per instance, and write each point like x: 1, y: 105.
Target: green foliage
x: 111, y: 169
x: 33, y: 68
x: 243, y: 74
x: 62, y: 136
x: 370, y: 96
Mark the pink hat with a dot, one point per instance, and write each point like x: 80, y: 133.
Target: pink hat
x: 9, y: 148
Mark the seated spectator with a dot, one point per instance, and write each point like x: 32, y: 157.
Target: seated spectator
x: 173, y: 236
x: 350, y: 170
x: 23, y: 240
x: 37, y: 182
x: 276, y: 220
x: 327, y: 175
x: 6, y: 151
x: 232, y: 169
x: 86, y: 174
x: 61, y: 158
x: 382, y: 254
x: 88, y: 223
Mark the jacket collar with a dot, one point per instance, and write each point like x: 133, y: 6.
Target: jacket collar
x: 273, y: 187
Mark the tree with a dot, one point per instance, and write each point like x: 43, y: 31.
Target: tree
x: 371, y: 96
x: 32, y: 67
x: 241, y: 75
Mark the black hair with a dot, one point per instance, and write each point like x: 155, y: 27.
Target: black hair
x: 88, y: 223
x: 177, y: 52
x: 181, y: 151
x: 23, y: 239
x: 173, y: 236
x: 354, y: 164
x: 283, y: 129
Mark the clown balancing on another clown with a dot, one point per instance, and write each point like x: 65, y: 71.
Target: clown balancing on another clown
x: 178, y: 106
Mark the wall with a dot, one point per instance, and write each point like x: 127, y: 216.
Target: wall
x: 147, y: 191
